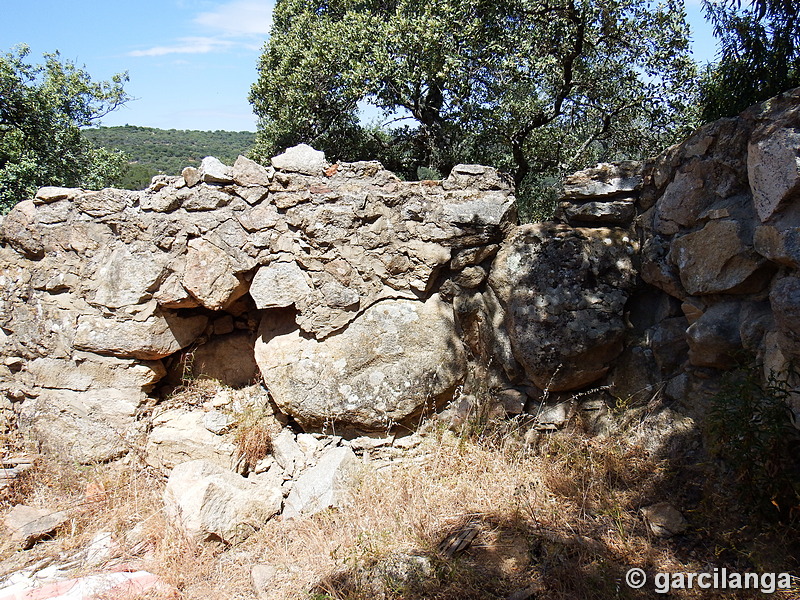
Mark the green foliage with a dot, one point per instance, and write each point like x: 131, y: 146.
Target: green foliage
x: 750, y: 426
x: 152, y: 151
x: 759, y: 55
x: 42, y: 111
x: 534, y: 87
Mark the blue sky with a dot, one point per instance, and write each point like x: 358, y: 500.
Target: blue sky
x: 190, y: 62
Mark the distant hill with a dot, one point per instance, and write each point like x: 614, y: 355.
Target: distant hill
x: 168, y: 151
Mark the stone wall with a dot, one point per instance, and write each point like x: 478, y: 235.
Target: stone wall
x: 360, y: 301
x: 659, y: 276
x: 323, y: 280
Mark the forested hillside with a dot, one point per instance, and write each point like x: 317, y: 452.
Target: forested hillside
x: 152, y: 151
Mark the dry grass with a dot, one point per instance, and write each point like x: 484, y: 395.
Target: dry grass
x: 561, y: 519
x: 193, y: 392
x: 254, y: 432
x: 253, y: 443
x: 540, y: 517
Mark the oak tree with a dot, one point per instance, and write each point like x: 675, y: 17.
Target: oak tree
x: 535, y: 87
x: 42, y: 111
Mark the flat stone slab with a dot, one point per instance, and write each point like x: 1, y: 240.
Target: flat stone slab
x: 28, y: 524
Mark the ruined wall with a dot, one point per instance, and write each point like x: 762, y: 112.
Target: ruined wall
x: 321, y: 279
x: 360, y: 300
x: 658, y: 277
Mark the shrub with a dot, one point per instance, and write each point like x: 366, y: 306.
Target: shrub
x: 750, y: 427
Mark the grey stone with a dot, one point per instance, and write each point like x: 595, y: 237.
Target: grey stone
x: 160, y: 335
x: 247, y: 172
x: 105, y: 203
x: 773, y: 168
x: 657, y: 270
x: 664, y: 520
x: 212, y: 170
x: 191, y: 176
x: 395, y: 358
x: 87, y: 407
x: 619, y: 212
x: 253, y: 194
x: 564, y: 291
x: 554, y: 415
x: 21, y: 229
x: 473, y: 256
x: 400, y: 571
x: 124, y: 275
x: 287, y: 453
x: 513, y: 400
x: 324, y: 485
x: 682, y: 202
x: 204, y: 197
x: 48, y: 194
x: 301, y: 159
x: 211, y: 503
x: 781, y: 246
x: 309, y: 445
x: 262, y: 578
x: 475, y: 177
x: 217, y: 422
x: 471, y: 277
x: 172, y: 294
x: 279, y: 284
x: 605, y: 179
x: 209, y: 275
x: 29, y: 525
x: 668, y: 343
x: 179, y: 435
x: 714, y: 338
x: 718, y: 258
x: 166, y: 199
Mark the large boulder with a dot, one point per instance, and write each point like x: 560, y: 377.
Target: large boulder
x: 393, y: 360
x: 773, y: 167
x: 124, y: 275
x: 160, y: 334
x: 564, y: 290
x: 87, y: 427
x: 719, y: 258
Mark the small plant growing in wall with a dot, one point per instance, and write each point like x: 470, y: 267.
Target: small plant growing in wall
x: 253, y: 438
x: 751, y: 428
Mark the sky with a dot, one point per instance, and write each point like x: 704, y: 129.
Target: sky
x: 191, y: 62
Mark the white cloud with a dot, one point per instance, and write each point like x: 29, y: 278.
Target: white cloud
x: 188, y: 45
x: 239, y: 18
x: 239, y: 23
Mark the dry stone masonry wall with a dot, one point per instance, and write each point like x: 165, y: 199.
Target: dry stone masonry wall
x: 659, y: 276
x: 321, y: 279
x: 360, y: 300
